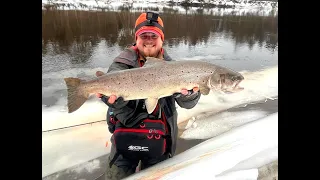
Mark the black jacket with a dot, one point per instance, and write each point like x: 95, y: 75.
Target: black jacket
x: 130, y: 112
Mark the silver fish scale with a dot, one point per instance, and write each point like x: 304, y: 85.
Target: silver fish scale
x: 158, y: 80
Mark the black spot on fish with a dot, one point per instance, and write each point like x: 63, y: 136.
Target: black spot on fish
x: 146, y: 80
x: 181, y: 71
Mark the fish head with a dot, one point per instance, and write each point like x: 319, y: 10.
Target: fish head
x: 225, y: 80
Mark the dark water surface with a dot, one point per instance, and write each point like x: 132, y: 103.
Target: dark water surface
x: 75, y: 42
x: 88, y: 39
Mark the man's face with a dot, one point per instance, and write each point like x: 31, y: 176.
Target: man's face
x: 149, y: 44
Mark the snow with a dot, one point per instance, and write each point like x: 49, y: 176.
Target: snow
x: 218, y: 154
x: 243, y: 6
x: 68, y: 147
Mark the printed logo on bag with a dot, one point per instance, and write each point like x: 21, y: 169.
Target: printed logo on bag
x: 137, y: 148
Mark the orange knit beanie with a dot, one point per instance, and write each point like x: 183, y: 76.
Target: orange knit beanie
x: 142, y: 26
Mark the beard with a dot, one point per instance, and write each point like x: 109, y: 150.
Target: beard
x: 150, y: 52
x: 150, y: 48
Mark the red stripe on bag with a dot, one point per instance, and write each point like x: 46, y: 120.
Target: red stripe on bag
x: 164, y: 121
x: 139, y: 131
x: 158, y: 121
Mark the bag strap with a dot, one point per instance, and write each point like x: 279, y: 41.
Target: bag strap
x: 115, y: 157
x: 159, y: 113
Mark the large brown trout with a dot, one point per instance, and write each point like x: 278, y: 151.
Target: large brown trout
x: 156, y: 79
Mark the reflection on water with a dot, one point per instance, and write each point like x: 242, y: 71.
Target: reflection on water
x: 72, y: 35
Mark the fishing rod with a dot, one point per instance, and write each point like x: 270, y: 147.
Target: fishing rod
x: 73, y: 126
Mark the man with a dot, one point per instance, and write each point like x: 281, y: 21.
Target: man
x: 149, y: 38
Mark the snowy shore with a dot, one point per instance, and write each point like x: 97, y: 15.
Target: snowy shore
x: 162, y: 5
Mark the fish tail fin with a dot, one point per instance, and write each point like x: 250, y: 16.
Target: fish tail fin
x: 76, y: 98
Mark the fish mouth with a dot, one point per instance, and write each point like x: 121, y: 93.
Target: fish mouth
x: 237, y: 87
x: 234, y: 88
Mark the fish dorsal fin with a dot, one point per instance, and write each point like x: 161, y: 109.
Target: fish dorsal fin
x: 151, y: 104
x: 99, y: 73
x: 151, y: 61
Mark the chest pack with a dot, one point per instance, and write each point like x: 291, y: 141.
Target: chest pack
x: 144, y: 140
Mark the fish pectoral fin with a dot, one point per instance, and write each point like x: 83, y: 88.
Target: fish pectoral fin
x: 204, y: 90
x: 151, y: 104
x: 99, y: 73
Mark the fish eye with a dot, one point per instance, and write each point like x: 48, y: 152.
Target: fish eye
x: 234, y: 78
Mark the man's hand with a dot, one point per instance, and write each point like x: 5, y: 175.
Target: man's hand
x: 111, y: 99
x: 185, y: 91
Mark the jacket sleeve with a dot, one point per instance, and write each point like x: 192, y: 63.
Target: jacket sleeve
x: 188, y: 101
x: 122, y: 110
x: 117, y: 66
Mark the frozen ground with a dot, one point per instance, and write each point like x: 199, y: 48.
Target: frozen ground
x: 68, y: 147
x: 213, y: 157
x: 244, y: 169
